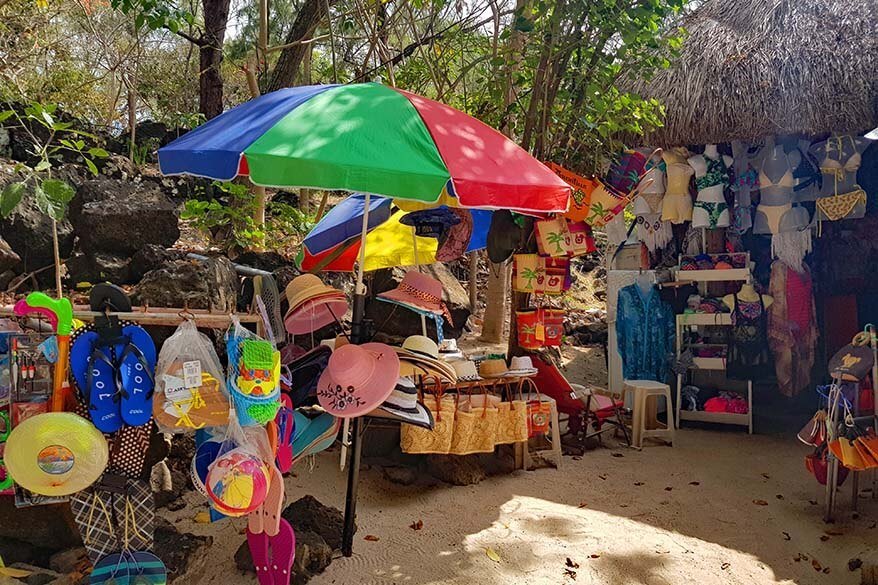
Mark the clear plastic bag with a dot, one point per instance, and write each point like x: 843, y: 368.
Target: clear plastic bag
x: 190, y: 387
x: 253, y: 375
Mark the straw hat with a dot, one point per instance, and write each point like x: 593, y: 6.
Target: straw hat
x: 521, y: 366
x: 421, y: 345
x: 493, y: 368
x: 358, y: 379
x: 420, y: 292
x: 466, y: 370
x: 419, y: 356
x: 312, y: 305
x: 305, y: 287
x: 403, y: 405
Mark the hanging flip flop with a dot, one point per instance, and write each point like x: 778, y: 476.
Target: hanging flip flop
x: 137, y: 375
x: 258, y: 543
x: 108, y: 297
x: 94, y: 372
x: 319, y: 435
x: 283, y: 553
x: 286, y: 428
x: 274, y: 502
x: 144, y: 568
x: 111, y: 570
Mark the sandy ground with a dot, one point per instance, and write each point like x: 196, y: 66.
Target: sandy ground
x: 720, y: 507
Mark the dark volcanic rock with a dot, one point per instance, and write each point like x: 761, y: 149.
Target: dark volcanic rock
x: 200, y: 285
x: 100, y: 267
x: 152, y: 257
x: 28, y: 231
x: 394, y: 321
x: 184, y: 554
x: 123, y: 216
x: 48, y: 527
x: 456, y: 469
x: 8, y: 258
x: 308, y: 513
x: 313, y: 555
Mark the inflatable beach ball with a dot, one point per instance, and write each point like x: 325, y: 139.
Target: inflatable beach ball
x: 237, y: 482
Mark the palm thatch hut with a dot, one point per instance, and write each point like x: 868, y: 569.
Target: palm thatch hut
x: 751, y: 68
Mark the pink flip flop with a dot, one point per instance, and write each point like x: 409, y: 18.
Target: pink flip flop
x: 274, y: 502
x: 283, y: 553
x: 259, y: 543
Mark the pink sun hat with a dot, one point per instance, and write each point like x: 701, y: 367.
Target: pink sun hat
x: 315, y: 313
x: 418, y: 291
x: 358, y: 379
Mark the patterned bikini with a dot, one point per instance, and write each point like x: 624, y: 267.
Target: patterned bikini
x: 706, y: 213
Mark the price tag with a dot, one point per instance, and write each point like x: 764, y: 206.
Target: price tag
x: 192, y: 374
x: 175, y: 388
x: 541, y: 332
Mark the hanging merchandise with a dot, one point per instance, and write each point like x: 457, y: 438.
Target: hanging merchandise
x: 581, y: 196
x: 253, y: 375
x: 539, y: 412
x: 791, y: 247
x: 313, y: 435
x: 853, y: 362
x: 455, y: 242
x: 190, y: 386
x: 792, y: 327
x: 581, y: 238
x: 606, y: 203
x: 677, y: 203
x: 748, y: 338
x: 626, y: 171
x: 645, y: 329
x: 512, y: 417
x: 652, y: 230
x: 553, y: 321
x: 553, y: 239
x: 847, y: 200
x: 304, y: 371
x: 558, y: 278
x: 421, y: 293
x: 238, y: 480
x: 312, y: 305
x: 358, y: 379
x: 528, y: 273
x: 431, y: 223
x: 530, y: 327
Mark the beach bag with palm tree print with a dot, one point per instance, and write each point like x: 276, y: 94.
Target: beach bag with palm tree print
x: 531, y: 332
x: 528, y: 273
x: 553, y: 239
x: 606, y: 203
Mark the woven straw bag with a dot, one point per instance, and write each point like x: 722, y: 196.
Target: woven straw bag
x: 475, y: 428
x: 512, y: 418
x: 417, y: 440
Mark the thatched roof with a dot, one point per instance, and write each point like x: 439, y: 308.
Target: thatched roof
x: 750, y: 68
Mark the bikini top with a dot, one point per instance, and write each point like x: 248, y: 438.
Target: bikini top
x: 678, y: 173
x: 787, y: 180
x: 831, y: 166
x: 717, y: 173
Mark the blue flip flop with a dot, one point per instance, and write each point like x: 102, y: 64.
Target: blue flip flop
x: 111, y: 570
x: 318, y: 436
x: 95, y: 375
x: 137, y: 375
x: 145, y: 568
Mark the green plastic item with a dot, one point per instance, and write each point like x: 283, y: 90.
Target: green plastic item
x: 257, y: 355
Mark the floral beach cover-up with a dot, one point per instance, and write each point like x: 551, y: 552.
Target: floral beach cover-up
x: 646, y: 333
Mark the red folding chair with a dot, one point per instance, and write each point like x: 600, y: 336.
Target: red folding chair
x: 585, y: 407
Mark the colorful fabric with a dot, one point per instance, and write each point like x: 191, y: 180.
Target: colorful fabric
x: 748, y: 340
x: 646, y: 333
x: 717, y: 173
x: 366, y: 137
x: 792, y: 327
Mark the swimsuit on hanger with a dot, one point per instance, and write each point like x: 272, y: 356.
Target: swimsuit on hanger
x: 841, y: 205
x: 707, y: 213
x: 677, y: 204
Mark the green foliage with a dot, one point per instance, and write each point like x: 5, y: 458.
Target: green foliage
x: 155, y: 14
x: 48, y: 148
x: 226, y: 217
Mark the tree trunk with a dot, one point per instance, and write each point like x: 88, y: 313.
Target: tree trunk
x: 210, y: 98
x: 286, y: 72
x: 495, y: 310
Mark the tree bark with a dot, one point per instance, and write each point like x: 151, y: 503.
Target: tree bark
x: 216, y: 17
x: 495, y: 309
x: 286, y: 72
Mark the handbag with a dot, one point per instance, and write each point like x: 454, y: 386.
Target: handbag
x: 530, y: 328
x: 581, y: 196
x: 814, y: 431
x: 581, y: 238
x: 553, y: 325
x: 417, y: 440
x: 539, y: 413
x: 606, y: 203
x: 553, y: 239
x: 475, y: 426
x: 557, y: 275
x: 512, y: 418
x: 528, y: 273
x: 817, y: 465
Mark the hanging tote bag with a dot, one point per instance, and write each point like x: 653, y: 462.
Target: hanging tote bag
x: 581, y: 238
x: 512, y: 417
x: 417, y: 440
x: 557, y: 276
x: 553, y: 239
x: 606, y: 203
x: 553, y: 325
x: 539, y: 413
x: 528, y: 273
x: 581, y: 196
x: 530, y: 329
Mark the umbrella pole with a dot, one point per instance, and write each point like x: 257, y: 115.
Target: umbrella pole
x: 357, y: 336
x: 418, y: 266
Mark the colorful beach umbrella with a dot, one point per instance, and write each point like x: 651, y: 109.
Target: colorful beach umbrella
x: 369, y: 138
x: 333, y: 245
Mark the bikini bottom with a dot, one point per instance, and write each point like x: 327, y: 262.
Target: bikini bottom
x: 710, y: 214
x: 677, y: 208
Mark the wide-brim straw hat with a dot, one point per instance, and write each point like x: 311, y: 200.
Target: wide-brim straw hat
x: 305, y: 287
x: 493, y: 368
x: 412, y: 365
x: 420, y: 292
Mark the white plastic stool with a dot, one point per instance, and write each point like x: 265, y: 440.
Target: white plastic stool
x: 554, y: 430
x: 644, y: 390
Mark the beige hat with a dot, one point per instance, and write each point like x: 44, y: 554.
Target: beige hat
x: 521, y: 366
x: 494, y: 368
x: 306, y: 287
x: 466, y: 370
x: 421, y: 345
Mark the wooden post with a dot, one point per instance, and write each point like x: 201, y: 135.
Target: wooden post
x: 473, y: 281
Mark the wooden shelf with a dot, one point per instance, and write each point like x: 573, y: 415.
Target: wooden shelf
x: 714, y: 275
x: 704, y: 319
x: 723, y: 418
x: 714, y: 363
